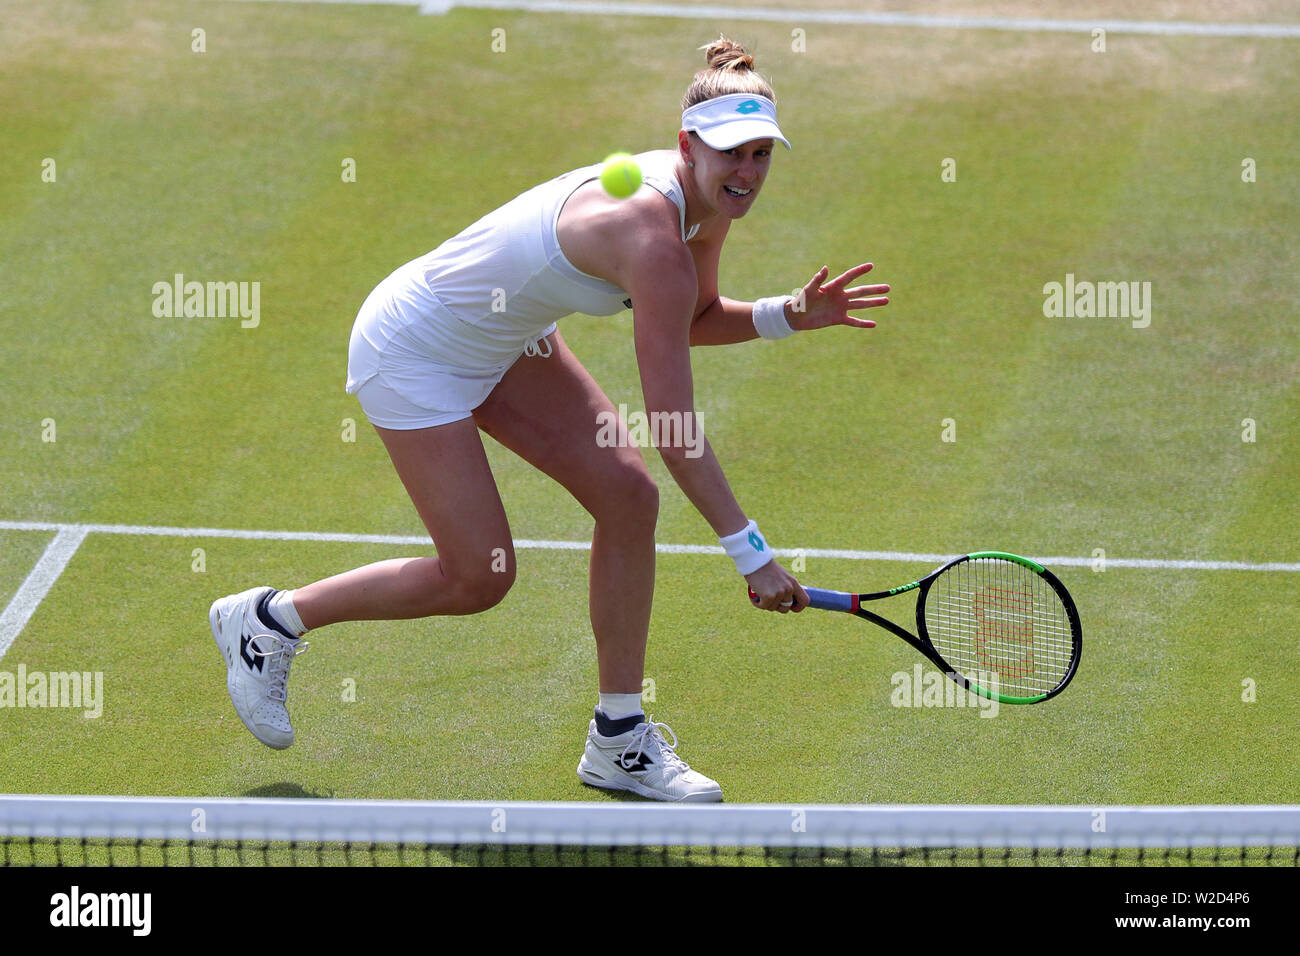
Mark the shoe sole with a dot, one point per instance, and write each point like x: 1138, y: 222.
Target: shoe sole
x: 214, y: 621
x: 587, y: 775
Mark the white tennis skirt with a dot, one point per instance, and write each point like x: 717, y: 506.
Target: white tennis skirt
x: 412, y: 364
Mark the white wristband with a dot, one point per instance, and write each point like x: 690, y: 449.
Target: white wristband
x: 769, y: 317
x: 747, y: 548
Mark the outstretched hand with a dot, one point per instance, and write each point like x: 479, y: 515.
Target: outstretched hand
x: 829, y: 303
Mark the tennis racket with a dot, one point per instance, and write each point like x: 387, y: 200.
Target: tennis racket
x: 999, y: 625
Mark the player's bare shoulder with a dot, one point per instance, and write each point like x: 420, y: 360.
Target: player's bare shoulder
x: 604, y: 236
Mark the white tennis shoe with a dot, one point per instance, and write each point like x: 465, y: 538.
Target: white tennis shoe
x: 642, y: 761
x: 257, y: 666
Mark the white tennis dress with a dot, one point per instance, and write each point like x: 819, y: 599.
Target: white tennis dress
x: 434, y: 338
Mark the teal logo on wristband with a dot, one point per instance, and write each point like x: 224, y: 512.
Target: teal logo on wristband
x: 755, y: 541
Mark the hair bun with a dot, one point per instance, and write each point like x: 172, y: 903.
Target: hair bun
x: 724, y: 54
x: 730, y: 70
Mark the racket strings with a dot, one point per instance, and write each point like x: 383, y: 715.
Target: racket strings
x: 1000, y: 622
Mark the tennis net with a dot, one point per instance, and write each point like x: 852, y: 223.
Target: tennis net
x: 173, y: 831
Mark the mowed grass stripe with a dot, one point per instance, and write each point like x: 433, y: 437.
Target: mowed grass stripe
x: 146, y: 192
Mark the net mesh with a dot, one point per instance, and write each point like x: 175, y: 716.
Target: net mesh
x: 1002, y: 625
x: 80, y: 831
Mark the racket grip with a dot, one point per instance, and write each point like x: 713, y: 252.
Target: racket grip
x: 825, y: 600
x: 832, y: 600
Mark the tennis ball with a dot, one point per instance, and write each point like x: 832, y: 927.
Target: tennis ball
x: 621, y: 176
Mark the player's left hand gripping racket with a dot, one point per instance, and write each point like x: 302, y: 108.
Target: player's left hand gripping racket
x: 999, y: 625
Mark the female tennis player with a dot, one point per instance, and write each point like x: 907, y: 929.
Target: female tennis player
x: 464, y: 340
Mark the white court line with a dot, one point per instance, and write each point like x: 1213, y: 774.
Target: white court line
x: 68, y: 538
x: 529, y: 543
x: 842, y: 17
x: 33, y: 590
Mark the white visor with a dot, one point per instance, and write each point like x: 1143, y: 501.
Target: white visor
x: 727, y: 121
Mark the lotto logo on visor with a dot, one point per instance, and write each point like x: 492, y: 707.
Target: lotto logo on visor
x: 725, y: 122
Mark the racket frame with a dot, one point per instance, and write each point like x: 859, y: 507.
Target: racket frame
x: 835, y: 601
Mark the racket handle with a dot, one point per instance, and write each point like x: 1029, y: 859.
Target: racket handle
x: 832, y: 600
x: 825, y: 600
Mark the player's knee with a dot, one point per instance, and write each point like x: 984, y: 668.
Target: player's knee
x: 487, y: 595
x: 631, y: 501
x: 486, y: 589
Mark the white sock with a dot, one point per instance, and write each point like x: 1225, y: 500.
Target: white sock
x: 286, y: 615
x: 618, y: 706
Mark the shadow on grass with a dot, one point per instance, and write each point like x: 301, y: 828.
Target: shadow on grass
x: 287, y: 790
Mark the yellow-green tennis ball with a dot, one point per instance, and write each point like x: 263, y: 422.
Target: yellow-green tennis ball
x: 621, y: 176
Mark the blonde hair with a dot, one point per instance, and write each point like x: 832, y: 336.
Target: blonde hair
x: 730, y: 70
